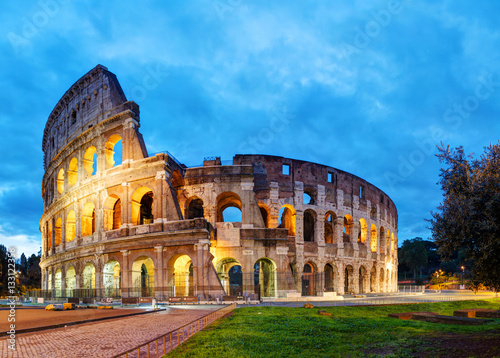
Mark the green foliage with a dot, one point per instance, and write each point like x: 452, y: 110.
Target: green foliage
x: 413, y: 254
x: 349, y: 332
x: 468, y: 219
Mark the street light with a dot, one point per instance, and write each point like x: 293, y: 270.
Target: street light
x: 463, y: 269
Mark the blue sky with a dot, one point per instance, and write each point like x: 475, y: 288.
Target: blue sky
x: 368, y: 87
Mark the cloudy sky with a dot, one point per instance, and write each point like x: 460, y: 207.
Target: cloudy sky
x: 369, y: 87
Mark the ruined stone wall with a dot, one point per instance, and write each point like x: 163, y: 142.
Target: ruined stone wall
x: 110, y: 224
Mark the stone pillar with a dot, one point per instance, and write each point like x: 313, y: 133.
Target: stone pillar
x: 53, y: 236
x: 338, y: 235
x: 340, y: 279
x: 125, y: 284
x: 319, y: 229
x: 249, y: 219
x: 299, y: 227
x: 159, y: 271
x: 63, y: 229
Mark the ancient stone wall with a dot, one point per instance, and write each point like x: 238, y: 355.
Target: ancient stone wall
x: 143, y: 225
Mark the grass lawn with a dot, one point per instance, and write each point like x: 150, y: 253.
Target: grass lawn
x: 349, y: 332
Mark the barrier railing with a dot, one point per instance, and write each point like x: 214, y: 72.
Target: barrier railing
x: 173, y: 339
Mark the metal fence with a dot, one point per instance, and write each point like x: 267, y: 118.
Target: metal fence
x: 165, y: 343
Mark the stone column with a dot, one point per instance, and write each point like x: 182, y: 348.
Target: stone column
x: 63, y: 229
x: 319, y: 229
x: 248, y: 219
x: 340, y: 280
x: 125, y: 284
x: 338, y: 235
x: 159, y: 272
x: 53, y: 238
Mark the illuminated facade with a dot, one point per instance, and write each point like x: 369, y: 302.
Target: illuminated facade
x: 145, y: 225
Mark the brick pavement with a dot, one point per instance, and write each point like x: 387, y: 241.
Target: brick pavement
x: 101, y: 339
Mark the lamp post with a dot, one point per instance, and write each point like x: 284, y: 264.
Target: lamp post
x: 463, y: 269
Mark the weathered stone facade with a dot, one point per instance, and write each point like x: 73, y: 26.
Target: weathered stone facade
x: 151, y: 226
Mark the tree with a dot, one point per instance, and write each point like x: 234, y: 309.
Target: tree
x: 24, y: 264
x: 468, y: 219
x: 413, y: 254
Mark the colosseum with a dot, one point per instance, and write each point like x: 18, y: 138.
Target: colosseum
x: 119, y: 222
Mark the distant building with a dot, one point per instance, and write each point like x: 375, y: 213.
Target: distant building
x: 140, y: 225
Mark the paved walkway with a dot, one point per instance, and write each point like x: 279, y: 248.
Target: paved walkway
x: 101, y: 339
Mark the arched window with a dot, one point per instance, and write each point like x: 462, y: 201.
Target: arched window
x: 113, y: 151
x: 112, y: 212
x: 330, y: 218
x: 90, y: 161
x: 362, y: 231
x: 286, y: 219
x: 373, y: 238
x: 229, y: 207
x: 329, y: 278
x: 264, y: 211
x: 309, y: 225
x: 60, y: 181
x: 88, y: 219
x: 70, y: 226
x: 58, y: 230
x: 72, y: 172
x: 347, y: 228
x: 142, y: 206
x: 195, y: 209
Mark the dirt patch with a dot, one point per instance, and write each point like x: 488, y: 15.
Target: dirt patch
x: 36, y: 318
x: 462, y: 345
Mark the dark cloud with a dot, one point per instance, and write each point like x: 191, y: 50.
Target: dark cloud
x: 374, y: 112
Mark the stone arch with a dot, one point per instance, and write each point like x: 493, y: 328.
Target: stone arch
x: 181, y: 275
x: 362, y: 231
x: 308, y: 279
x: 347, y: 228
x: 388, y: 281
x: 58, y: 283
x: 70, y: 226
x: 373, y: 238
x: 194, y: 208
x: 88, y: 278
x: 90, y: 161
x: 388, y: 241
x: 60, y: 181
x: 392, y: 242
x: 309, y: 225
x: 142, y: 206
x: 177, y: 179
x: 143, y: 276
x: 265, y: 277
x: 109, y: 150
x: 112, y: 212
x: 70, y: 281
x: 227, y: 200
x: 348, y: 279
x: 266, y: 214
x: 58, y: 231
x: 111, y: 278
x: 309, y: 196
x: 329, y: 273
x: 330, y: 218
x: 88, y: 219
x: 230, y: 275
x: 287, y: 219
x: 72, y: 172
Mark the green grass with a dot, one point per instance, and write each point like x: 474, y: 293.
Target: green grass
x: 350, y: 332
